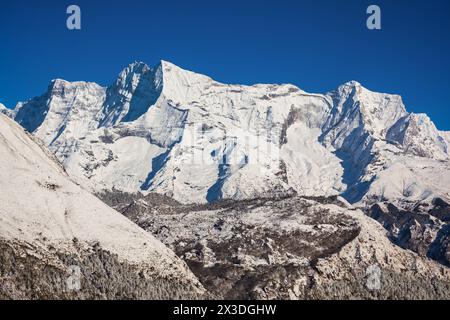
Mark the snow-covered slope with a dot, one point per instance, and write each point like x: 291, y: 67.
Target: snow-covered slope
x: 172, y: 131
x: 42, y: 208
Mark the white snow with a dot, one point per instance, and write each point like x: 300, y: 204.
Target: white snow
x: 311, y: 168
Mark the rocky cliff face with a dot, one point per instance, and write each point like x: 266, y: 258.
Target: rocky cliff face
x: 423, y: 228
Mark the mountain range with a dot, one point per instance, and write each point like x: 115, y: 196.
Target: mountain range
x: 318, y: 182
x: 155, y: 129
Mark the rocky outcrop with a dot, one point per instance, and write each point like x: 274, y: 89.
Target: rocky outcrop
x: 423, y: 228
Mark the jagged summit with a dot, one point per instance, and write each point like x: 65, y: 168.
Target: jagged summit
x: 350, y: 84
x: 62, y: 82
x: 138, y: 65
x: 171, y: 80
x: 136, y: 89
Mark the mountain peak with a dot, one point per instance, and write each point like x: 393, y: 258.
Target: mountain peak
x: 59, y: 81
x: 165, y: 63
x: 348, y: 87
x: 419, y: 136
x: 131, y: 73
x: 352, y: 83
x: 421, y: 118
x: 169, y: 67
x: 63, y: 86
x: 136, y: 67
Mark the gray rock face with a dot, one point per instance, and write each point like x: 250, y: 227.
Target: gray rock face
x: 284, y: 248
x: 424, y: 228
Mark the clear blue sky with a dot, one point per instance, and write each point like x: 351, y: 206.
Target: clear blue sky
x: 316, y: 44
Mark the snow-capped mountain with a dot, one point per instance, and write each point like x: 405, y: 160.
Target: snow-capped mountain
x: 49, y: 223
x: 289, y: 153
x: 182, y: 134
